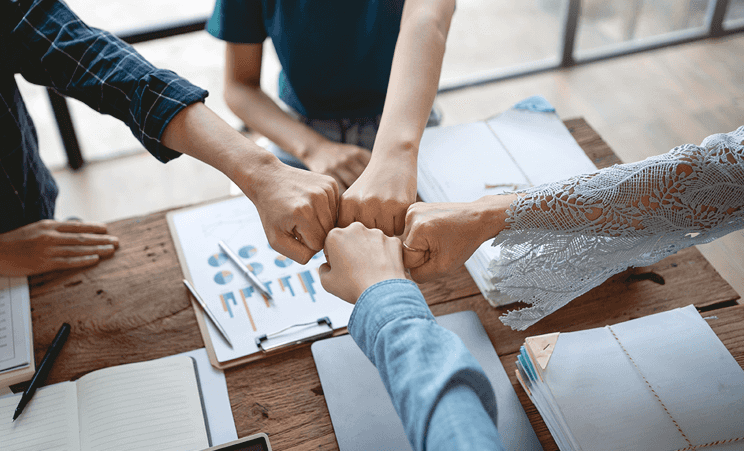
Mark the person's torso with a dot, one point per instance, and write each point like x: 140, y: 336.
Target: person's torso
x: 336, y: 55
x: 27, y: 189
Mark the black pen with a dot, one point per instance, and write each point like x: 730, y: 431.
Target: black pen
x: 43, y: 370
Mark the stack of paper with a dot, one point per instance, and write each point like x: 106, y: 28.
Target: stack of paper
x: 662, y: 382
x: 16, y: 340
x: 526, y: 146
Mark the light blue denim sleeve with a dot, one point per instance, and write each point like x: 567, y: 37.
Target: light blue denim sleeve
x: 439, y: 390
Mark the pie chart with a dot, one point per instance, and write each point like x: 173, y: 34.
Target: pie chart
x: 247, y: 251
x: 255, y: 268
x: 223, y: 277
x: 282, y: 261
x: 217, y: 259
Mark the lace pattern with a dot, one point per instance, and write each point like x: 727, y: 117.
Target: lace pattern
x: 599, y: 224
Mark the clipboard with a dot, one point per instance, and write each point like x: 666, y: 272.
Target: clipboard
x: 235, y: 220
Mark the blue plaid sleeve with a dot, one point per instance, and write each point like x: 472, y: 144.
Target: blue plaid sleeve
x: 57, y: 49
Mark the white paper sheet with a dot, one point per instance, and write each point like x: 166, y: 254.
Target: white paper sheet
x: 46, y: 422
x: 216, y: 400
x: 15, y: 336
x: 245, y: 315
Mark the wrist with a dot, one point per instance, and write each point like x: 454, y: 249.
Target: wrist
x: 254, y: 171
x: 308, y: 144
x: 491, y: 213
x: 376, y: 279
x: 403, y: 149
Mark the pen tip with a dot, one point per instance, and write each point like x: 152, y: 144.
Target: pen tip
x: 15, y: 415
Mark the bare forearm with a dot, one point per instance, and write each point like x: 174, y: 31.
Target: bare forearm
x: 200, y: 133
x: 259, y: 112
x: 414, y: 76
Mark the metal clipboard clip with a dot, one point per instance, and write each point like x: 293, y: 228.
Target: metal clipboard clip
x: 325, y: 321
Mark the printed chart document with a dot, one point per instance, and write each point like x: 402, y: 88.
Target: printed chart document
x: 240, y: 309
x: 16, y: 339
x: 661, y: 382
x: 526, y: 146
x: 153, y: 405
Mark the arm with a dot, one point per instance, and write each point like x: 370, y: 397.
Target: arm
x: 380, y: 197
x: 55, y: 48
x: 166, y: 113
x: 561, y: 239
x: 438, y: 389
x: 250, y: 103
x: 297, y: 208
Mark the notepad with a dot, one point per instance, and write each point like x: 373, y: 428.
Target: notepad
x: 16, y: 339
x: 153, y: 405
x: 517, y: 149
x: 661, y: 382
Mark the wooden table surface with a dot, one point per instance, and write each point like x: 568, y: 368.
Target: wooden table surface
x: 134, y: 307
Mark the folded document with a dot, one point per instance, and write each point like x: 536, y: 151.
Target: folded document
x: 661, y: 382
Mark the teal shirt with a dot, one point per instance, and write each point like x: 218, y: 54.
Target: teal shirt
x: 336, y: 55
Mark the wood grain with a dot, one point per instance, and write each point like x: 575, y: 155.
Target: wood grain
x: 134, y: 307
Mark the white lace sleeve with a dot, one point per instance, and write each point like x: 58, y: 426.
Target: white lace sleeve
x: 565, y: 238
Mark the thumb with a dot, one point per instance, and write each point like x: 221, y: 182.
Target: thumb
x: 290, y: 247
x: 326, y: 278
x: 413, y: 258
x: 416, y: 250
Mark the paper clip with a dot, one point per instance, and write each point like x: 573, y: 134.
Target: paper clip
x: 321, y: 321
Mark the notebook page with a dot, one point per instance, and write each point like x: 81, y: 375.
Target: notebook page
x: 15, y: 337
x: 151, y: 405
x: 48, y: 422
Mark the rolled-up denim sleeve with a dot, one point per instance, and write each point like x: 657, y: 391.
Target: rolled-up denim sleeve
x: 439, y: 390
x: 57, y: 49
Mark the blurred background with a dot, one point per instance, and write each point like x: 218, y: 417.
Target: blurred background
x: 647, y: 75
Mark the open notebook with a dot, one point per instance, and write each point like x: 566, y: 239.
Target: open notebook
x: 153, y: 405
x: 662, y: 382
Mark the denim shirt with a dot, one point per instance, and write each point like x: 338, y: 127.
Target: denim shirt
x: 439, y: 390
x: 49, y: 45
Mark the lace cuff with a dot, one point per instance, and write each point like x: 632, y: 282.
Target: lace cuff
x: 567, y: 237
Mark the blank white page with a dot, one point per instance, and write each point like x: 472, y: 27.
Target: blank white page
x: 151, y: 405
x: 48, y: 422
x: 458, y: 163
x: 541, y: 145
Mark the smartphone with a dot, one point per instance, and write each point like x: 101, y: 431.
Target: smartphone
x: 256, y: 442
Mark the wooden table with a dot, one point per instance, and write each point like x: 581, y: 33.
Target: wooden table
x: 134, y: 307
